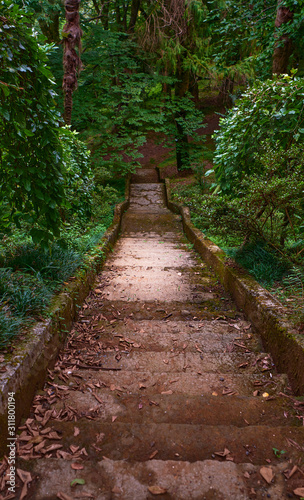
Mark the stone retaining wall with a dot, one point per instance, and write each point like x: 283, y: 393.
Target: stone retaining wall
x: 266, y: 313
x: 37, y: 351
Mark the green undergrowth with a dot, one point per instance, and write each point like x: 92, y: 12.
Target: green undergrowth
x: 274, y: 271
x: 30, y: 274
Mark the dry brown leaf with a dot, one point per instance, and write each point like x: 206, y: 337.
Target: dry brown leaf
x: 76, y: 466
x: 246, y: 475
x: 290, y: 472
x: 167, y: 392
x: 153, y: 454
x: 299, y: 492
x: 114, y: 418
x: 74, y: 448
x: 267, y: 474
x: 63, y: 496
x: 76, y: 431
x: 222, y: 453
x: 157, y: 490
x: 166, y: 361
x: 25, y: 476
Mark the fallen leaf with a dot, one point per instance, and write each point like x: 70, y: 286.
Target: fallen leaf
x: 76, y: 466
x: 267, y: 474
x: 140, y: 406
x: 74, y: 448
x: 214, y: 393
x: 63, y: 496
x: 153, y: 454
x: 142, y: 386
x: 167, y: 392
x: 246, y: 475
x: 165, y: 361
x: 76, y: 481
x: 265, y: 394
x: 76, y: 431
x: 157, y: 490
x: 256, y: 393
x: 299, y: 492
x: 114, y: 418
x: 290, y: 472
x: 222, y: 453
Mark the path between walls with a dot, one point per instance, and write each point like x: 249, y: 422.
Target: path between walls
x: 163, y: 389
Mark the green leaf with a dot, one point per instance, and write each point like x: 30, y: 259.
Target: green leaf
x: 76, y: 481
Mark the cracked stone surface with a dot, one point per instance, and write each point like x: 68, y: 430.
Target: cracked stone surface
x: 163, y: 389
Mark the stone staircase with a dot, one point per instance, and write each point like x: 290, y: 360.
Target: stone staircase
x: 163, y: 390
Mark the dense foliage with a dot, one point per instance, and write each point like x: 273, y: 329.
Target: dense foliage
x: 272, y: 110
x: 31, y: 177
x: 145, y: 67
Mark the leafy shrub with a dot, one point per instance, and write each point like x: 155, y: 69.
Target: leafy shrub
x: 272, y: 110
x: 31, y: 177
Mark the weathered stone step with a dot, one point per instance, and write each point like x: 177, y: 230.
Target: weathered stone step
x: 151, y: 253
x: 119, y: 311
x: 180, y: 409
x: 153, y: 283
x: 152, y: 225
x: 137, y: 442
x: 109, y: 479
x: 140, y: 360
x: 189, y: 384
x: 147, y: 198
x: 175, y: 336
x: 144, y: 176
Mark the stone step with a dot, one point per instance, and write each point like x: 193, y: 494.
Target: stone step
x: 141, y: 252
x: 188, y: 384
x: 118, y: 311
x: 189, y: 362
x: 145, y: 175
x: 152, y: 225
x: 186, y: 442
x: 178, y: 336
x: 108, y: 479
x: 152, y: 283
x: 179, y: 408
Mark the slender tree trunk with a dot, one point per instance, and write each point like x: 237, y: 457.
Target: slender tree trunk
x: 106, y: 16
x: 182, y: 143
x: 134, y: 14
x: 71, y: 59
x: 283, y: 44
x: 51, y: 29
x: 226, y: 91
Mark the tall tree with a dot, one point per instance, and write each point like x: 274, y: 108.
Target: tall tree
x: 71, y: 59
x: 283, y: 44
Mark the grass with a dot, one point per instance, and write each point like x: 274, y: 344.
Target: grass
x: 31, y: 275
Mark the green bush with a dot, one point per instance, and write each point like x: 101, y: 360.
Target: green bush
x: 272, y: 110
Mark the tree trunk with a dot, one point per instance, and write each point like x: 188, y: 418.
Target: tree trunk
x: 133, y: 16
x: 283, y: 44
x: 182, y: 143
x: 71, y: 59
x: 51, y: 29
x: 226, y: 91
